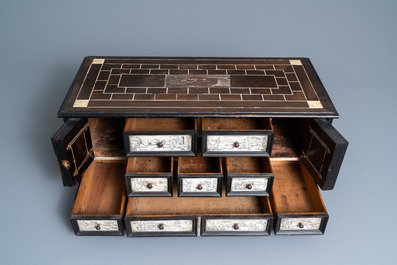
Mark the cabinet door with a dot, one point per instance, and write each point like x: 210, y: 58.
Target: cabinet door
x: 73, y: 150
x: 323, y: 151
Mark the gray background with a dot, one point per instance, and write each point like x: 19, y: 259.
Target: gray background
x: 351, y: 44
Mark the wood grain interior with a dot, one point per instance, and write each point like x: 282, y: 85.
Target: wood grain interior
x: 154, y: 206
x: 149, y: 164
x: 287, y: 138
x: 293, y: 190
x: 160, y: 124
x: 102, y: 189
x: 236, y: 124
x: 107, y: 136
x: 199, y: 165
x: 246, y: 165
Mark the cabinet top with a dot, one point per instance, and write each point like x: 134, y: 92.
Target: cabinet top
x: 176, y: 86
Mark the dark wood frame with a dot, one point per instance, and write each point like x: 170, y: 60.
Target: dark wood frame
x: 267, y: 216
x: 200, y: 194
x: 128, y: 219
x: 266, y: 153
x: 320, y: 231
x: 74, y: 218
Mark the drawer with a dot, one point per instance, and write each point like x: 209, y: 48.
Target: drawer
x: 306, y: 215
x: 100, y: 201
x: 160, y: 136
x: 248, y: 176
x: 237, y: 136
x: 200, y: 176
x: 149, y: 176
x: 189, y: 216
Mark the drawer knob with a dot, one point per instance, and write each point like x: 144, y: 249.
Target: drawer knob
x: 149, y: 186
x: 300, y: 225
x: 236, y: 227
x: 249, y: 186
x: 236, y: 144
x: 161, y: 226
x: 160, y: 144
x: 199, y: 187
x: 98, y: 227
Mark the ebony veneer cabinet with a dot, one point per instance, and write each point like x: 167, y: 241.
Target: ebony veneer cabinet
x: 198, y: 146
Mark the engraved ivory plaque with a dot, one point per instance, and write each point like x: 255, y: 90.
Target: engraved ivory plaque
x: 300, y: 223
x: 256, y: 184
x: 237, y: 143
x: 160, y: 143
x: 98, y: 225
x: 149, y: 184
x: 162, y: 226
x: 199, y: 184
x: 230, y: 225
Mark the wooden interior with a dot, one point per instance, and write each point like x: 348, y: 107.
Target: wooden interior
x: 107, y: 136
x: 236, y: 124
x: 294, y: 190
x: 160, y: 124
x: 149, y: 164
x: 247, y: 165
x: 199, y: 165
x: 180, y: 206
x: 102, y: 189
x: 287, y: 138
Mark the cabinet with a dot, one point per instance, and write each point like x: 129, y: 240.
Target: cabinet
x: 198, y: 146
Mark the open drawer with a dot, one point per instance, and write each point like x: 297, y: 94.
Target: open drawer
x: 100, y: 201
x: 296, y: 200
x: 160, y: 136
x: 237, y: 136
x: 188, y: 216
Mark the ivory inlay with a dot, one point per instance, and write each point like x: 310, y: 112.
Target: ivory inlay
x: 206, y: 184
x: 166, y: 225
x: 257, y: 184
x: 160, y: 143
x: 229, y: 225
x: 97, y: 225
x: 226, y: 143
x: 142, y: 184
x: 300, y: 223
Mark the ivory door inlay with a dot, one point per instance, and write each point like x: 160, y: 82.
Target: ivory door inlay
x: 162, y: 226
x: 256, y: 184
x: 300, y: 223
x: 160, y: 143
x: 97, y: 225
x: 222, y: 143
x: 235, y: 225
x: 142, y: 184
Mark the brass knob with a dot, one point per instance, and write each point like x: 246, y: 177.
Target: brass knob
x: 98, y: 227
x: 149, y: 186
x: 249, y: 186
x: 161, y: 226
x: 160, y: 144
x: 300, y: 225
x: 236, y: 144
x: 199, y: 187
x: 236, y: 227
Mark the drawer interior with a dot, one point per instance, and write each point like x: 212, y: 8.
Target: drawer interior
x: 107, y: 136
x: 160, y: 124
x: 102, y: 190
x: 199, y: 165
x: 236, y: 124
x: 294, y: 190
x: 149, y: 164
x: 247, y: 165
x: 188, y: 206
x: 287, y: 137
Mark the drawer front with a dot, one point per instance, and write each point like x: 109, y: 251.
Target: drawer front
x: 170, y: 227
x: 237, y: 145
x: 291, y: 225
x: 248, y: 184
x: 199, y: 187
x: 97, y: 225
x: 149, y: 185
x: 159, y: 144
x: 236, y: 226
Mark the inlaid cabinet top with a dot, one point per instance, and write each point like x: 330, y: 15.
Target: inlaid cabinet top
x: 150, y: 86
